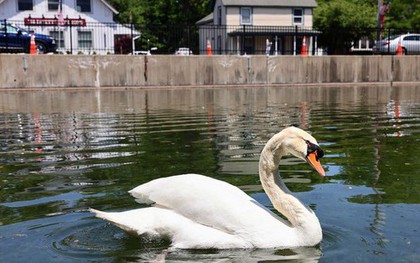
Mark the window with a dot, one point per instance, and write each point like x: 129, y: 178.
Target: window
x: 25, y: 5
x: 59, y: 38
x: 83, y: 6
x: 2, y: 27
x: 298, y: 16
x: 219, y: 15
x: 84, y: 39
x: 53, y: 5
x: 11, y: 29
x: 412, y: 38
x: 246, y: 16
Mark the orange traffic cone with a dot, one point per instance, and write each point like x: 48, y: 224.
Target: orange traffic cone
x: 399, y: 48
x: 32, y: 48
x: 303, y: 52
x: 209, y: 53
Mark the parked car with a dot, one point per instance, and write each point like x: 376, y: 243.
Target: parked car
x: 183, y: 51
x: 410, y: 44
x: 14, y: 39
x: 145, y: 52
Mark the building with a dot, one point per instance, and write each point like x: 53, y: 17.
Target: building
x: 363, y: 46
x: 79, y: 26
x: 259, y: 27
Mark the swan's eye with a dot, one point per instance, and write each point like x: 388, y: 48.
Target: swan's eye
x: 319, y: 152
x: 314, y: 148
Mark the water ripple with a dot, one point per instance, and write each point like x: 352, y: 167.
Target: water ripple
x: 59, y: 158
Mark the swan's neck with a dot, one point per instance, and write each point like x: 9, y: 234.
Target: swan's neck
x: 299, y: 215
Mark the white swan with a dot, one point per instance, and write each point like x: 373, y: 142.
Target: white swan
x: 195, y: 211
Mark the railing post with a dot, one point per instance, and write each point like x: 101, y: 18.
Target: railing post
x: 243, y: 40
x: 294, y: 40
x: 5, y: 32
x: 188, y: 38
x: 389, y: 35
x: 71, y: 39
x: 132, y: 38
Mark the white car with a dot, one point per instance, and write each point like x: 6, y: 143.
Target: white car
x: 183, y: 51
x: 410, y: 44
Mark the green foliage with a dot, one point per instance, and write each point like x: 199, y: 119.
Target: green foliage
x: 161, y: 22
x: 404, y: 14
x: 131, y: 11
x: 169, y: 24
x: 342, y: 22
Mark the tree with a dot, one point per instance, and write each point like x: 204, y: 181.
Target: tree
x: 131, y: 11
x: 342, y: 22
x: 163, y: 23
x: 404, y: 14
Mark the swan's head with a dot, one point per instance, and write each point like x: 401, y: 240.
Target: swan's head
x: 302, y: 145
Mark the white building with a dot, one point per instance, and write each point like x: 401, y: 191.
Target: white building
x: 87, y: 26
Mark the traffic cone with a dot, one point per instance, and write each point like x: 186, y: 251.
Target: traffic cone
x: 303, y: 52
x: 209, y: 53
x: 32, y: 48
x: 399, y: 48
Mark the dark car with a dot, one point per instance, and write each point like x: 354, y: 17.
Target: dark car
x: 14, y: 39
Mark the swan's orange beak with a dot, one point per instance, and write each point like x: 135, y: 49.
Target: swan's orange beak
x: 313, y: 160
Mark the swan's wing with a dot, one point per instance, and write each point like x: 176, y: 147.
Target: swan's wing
x: 165, y: 223
x: 209, y: 202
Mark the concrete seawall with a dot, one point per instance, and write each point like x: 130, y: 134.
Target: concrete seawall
x: 57, y: 71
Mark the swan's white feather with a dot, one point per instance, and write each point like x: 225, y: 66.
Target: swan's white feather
x: 191, y: 202
x: 164, y: 223
x: 195, y: 211
x: 214, y: 203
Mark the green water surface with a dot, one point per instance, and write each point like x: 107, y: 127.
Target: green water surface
x: 65, y: 151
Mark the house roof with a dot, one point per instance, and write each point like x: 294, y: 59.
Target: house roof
x: 103, y: 1
x: 204, y: 20
x: 272, y: 3
x: 109, y: 6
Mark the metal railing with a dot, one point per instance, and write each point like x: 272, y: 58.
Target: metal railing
x: 75, y: 37
x: 82, y: 38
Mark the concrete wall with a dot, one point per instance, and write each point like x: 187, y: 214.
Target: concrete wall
x: 55, y: 71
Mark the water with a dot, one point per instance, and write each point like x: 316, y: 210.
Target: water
x: 65, y: 151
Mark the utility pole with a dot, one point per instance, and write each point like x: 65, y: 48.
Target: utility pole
x: 379, y: 25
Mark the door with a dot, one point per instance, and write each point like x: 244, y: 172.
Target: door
x: 412, y: 44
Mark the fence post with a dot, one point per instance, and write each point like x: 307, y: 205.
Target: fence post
x: 71, y: 39
x: 5, y: 32
x: 188, y: 38
x: 132, y: 38
x: 294, y: 40
x: 389, y: 35
x: 243, y: 40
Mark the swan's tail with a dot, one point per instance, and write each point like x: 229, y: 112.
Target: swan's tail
x: 98, y: 213
x: 167, y: 224
x: 152, y: 221
x: 133, y: 221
